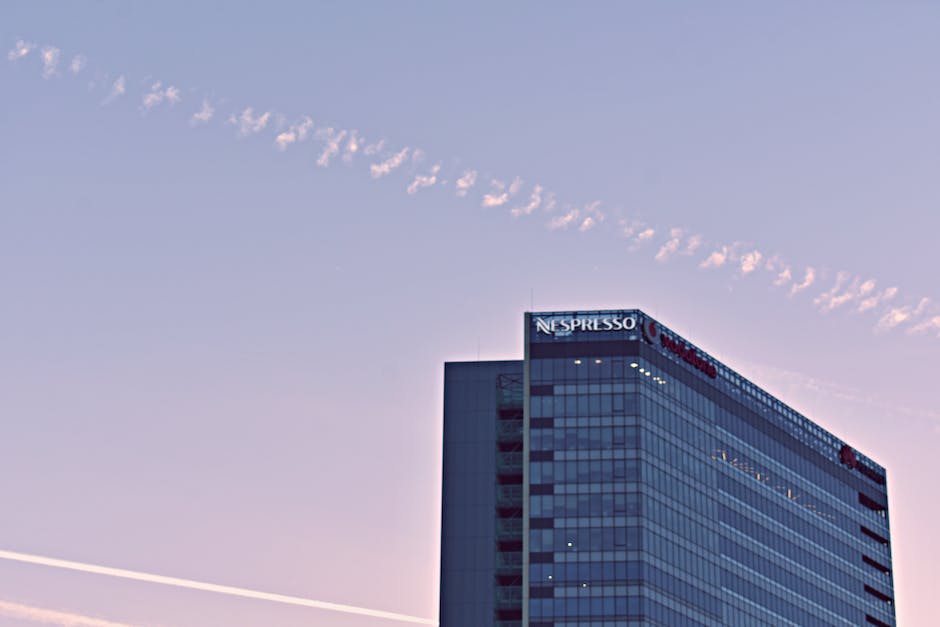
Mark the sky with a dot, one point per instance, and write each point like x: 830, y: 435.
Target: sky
x: 239, y: 241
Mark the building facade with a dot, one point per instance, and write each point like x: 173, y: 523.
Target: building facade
x: 619, y: 475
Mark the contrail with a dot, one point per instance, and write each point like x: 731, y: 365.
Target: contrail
x: 209, y: 587
x: 53, y: 617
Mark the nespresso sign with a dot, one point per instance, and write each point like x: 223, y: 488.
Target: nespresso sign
x: 567, y: 325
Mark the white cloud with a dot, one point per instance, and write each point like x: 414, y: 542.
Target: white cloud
x: 53, y: 617
x: 379, y: 170
x: 783, y: 277
x: 352, y: 147
x: 899, y: 315
x: 646, y: 234
x: 417, y: 155
x: 873, y: 301
x: 716, y: 259
x: 825, y: 299
x: 20, y: 50
x: 750, y: 261
x: 78, y: 63
x: 894, y: 317
x: 204, y: 114
x: 374, y: 149
x: 808, y: 279
x: 670, y: 247
x: 495, y: 200
x: 564, y: 221
x: 692, y: 244
x: 424, y: 180
x: 118, y: 88
x: 550, y: 202
x: 465, y: 182
x: 587, y: 224
x: 534, y: 201
x: 594, y: 209
x: 332, y: 140
x: 930, y: 324
x: 833, y: 298
x: 50, y: 60
x: 248, y: 123
x: 515, y: 186
x: 157, y: 94
x: 498, y: 197
x: 296, y: 133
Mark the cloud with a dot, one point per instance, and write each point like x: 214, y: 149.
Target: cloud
x: 296, y: 133
x: 534, y: 201
x: 495, y: 200
x: 716, y: 259
x: 20, y: 50
x: 930, y: 324
x: 53, y: 617
x: 824, y: 300
x: 550, y: 202
x: 379, y: 170
x: 50, y: 60
x: 670, y: 247
x: 352, y: 147
x: 332, y: 140
x: 750, y: 261
x: 498, y: 197
x: 899, y: 315
x: 78, y: 63
x: 424, y: 180
x: 215, y: 588
x: 783, y: 277
x: 118, y: 89
x: 646, y: 234
x: 565, y: 220
x: 588, y: 223
x: 827, y: 301
x: 248, y: 123
x: 374, y: 149
x: 808, y: 279
x: 204, y: 114
x: 873, y: 301
x: 157, y: 94
x: 693, y: 244
x: 515, y: 186
x: 465, y: 182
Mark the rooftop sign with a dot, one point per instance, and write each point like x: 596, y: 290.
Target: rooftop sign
x: 652, y: 333
x: 567, y: 325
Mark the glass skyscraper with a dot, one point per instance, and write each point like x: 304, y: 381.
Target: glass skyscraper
x: 619, y: 475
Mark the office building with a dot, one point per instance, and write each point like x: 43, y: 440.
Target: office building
x: 620, y: 475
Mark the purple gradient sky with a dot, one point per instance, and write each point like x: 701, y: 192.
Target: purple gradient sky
x: 223, y: 362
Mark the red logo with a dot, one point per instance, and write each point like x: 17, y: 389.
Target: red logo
x: 650, y: 331
x: 847, y: 456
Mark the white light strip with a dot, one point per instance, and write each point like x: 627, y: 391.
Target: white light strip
x: 209, y: 587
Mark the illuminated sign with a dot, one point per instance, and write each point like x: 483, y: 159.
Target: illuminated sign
x: 652, y: 332
x: 567, y: 325
x: 848, y: 457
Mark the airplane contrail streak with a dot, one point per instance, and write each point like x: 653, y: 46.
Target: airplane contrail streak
x: 209, y: 587
x: 53, y: 617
